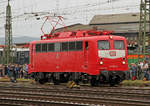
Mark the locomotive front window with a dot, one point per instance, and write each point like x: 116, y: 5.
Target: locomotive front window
x: 103, y: 44
x: 119, y: 44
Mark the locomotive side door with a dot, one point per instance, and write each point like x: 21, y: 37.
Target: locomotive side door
x: 32, y: 56
x: 57, y: 59
x: 86, y: 50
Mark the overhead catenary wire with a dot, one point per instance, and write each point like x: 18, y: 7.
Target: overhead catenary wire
x: 29, y: 12
x: 73, y: 10
x: 32, y: 15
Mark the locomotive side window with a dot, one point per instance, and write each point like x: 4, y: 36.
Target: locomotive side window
x: 103, y: 44
x: 64, y: 46
x: 57, y: 47
x: 79, y: 45
x: 38, y: 47
x: 119, y: 44
x: 44, y: 47
x: 72, y: 46
x: 51, y: 47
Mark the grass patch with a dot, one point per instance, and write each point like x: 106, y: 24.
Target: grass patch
x: 4, y: 79
x: 24, y: 80
x: 138, y: 83
x: 7, y: 79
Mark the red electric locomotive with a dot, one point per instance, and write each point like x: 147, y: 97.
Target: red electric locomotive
x: 83, y: 56
x: 87, y: 56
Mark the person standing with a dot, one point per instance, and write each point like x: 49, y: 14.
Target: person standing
x: 17, y: 70
x: 21, y: 71
x: 149, y: 71
x: 5, y: 70
x: 26, y: 70
x: 12, y: 73
x: 139, y: 69
x: 134, y: 71
x: 1, y: 70
x: 145, y: 68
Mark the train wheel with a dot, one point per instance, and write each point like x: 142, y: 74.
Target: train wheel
x: 93, y: 81
x: 56, y: 82
x: 56, y: 78
x: 102, y: 79
x: 41, y: 81
x: 118, y: 80
x: 40, y: 78
x: 112, y: 81
x: 112, y: 84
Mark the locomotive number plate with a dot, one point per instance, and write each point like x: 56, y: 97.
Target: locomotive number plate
x: 112, y: 53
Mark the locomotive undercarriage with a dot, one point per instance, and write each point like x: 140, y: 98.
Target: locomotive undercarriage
x: 105, y: 77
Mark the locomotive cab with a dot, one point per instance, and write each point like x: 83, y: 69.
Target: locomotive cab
x: 112, y: 57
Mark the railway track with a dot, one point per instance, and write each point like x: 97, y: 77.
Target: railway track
x: 67, y: 99
x: 60, y: 95
x: 82, y: 92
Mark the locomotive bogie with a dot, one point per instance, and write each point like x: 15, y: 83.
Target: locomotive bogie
x: 105, y: 77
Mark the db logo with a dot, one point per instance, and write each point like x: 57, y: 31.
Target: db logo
x: 112, y: 53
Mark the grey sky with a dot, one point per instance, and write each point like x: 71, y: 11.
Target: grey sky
x: 76, y: 11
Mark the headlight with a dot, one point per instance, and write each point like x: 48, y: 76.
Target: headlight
x: 123, y: 62
x: 110, y: 37
x: 101, y: 62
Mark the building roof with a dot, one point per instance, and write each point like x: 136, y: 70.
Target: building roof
x: 117, y: 28
x: 119, y: 23
x: 22, y: 45
x: 115, y: 18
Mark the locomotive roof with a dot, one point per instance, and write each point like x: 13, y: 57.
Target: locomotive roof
x: 80, y: 38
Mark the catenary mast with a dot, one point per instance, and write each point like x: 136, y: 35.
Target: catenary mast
x: 144, y: 28
x: 8, y: 35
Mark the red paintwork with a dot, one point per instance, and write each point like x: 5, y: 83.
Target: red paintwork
x: 86, y: 61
